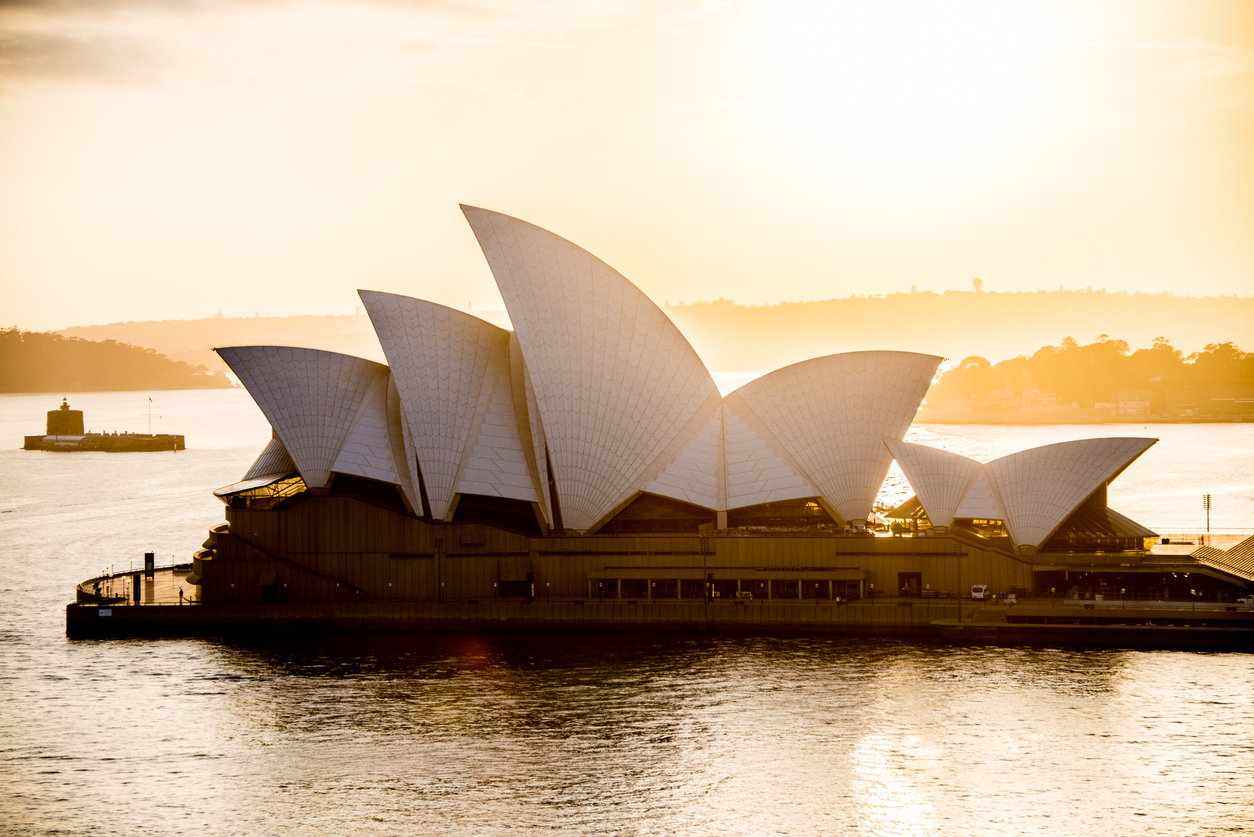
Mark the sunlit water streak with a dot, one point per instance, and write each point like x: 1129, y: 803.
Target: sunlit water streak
x: 674, y: 735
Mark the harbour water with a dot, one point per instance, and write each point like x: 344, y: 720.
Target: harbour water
x: 490, y: 734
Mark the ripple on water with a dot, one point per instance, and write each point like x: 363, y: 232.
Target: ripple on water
x: 639, y: 735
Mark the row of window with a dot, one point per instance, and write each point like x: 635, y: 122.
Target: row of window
x: 767, y: 589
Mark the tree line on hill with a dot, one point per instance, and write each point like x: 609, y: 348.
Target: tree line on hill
x: 32, y: 361
x: 954, y: 324
x: 1094, y: 372
x: 732, y: 336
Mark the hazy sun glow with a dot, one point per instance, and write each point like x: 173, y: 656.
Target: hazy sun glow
x: 164, y: 161
x: 902, y: 83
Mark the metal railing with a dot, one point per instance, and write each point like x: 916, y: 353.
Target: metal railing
x: 1195, y: 532
x: 117, y: 589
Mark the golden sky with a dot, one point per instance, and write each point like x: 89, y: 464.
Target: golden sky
x: 168, y: 158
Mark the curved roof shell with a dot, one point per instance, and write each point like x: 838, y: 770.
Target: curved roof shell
x: 452, y: 373
x: 596, y: 386
x: 1032, y: 491
x: 1041, y: 487
x: 274, y: 459
x: 940, y: 479
x: 619, y: 390
x: 831, y: 415
x: 367, y: 450
x: 980, y: 502
x: 756, y: 471
x: 694, y: 475
x: 312, y: 399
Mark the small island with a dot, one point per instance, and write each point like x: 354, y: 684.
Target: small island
x: 65, y: 433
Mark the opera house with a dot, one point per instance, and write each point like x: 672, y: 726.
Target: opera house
x: 584, y: 469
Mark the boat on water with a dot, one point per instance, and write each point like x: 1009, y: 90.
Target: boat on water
x: 65, y: 433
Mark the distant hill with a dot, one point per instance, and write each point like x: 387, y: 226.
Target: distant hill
x: 954, y: 324
x: 193, y: 341
x: 32, y: 361
x: 731, y: 336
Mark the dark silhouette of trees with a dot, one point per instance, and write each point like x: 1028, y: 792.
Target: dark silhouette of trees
x: 32, y: 361
x: 971, y: 378
x: 1221, y: 364
x: 1092, y: 373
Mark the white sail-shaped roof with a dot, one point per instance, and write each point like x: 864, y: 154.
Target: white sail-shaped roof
x: 832, y: 414
x: 311, y: 398
x: 496, y: 463
x: 614, y: 379
x: 980, y: 502
x: 1033, y: 491
x: 273, y: 460
x: 1040, y: 488
x: 756, y: 472
x: 693, y: 475
x: 446, y: 365
x: 367, y: 452
x: 597, y: 397
x: 531, y: 430
x: 940, y: 479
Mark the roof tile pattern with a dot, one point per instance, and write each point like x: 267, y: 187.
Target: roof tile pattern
x: 980, y: 501
x: 756, y: 472
x: 692, y: 476
x: 367, y: 451
x: 273, y: 460
x: 941, y: 479
x: 532, y: 430
x: 439, y: 359
x: 599, y: 382
x: 613, y: 376
x: 1041, y: 487
x: 310, y: 397
x: 833, y: 414
x: 495, y: 463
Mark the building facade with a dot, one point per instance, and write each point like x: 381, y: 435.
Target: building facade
x: 588, y: 457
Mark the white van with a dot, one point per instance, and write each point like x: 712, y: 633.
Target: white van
x: 979, y: 591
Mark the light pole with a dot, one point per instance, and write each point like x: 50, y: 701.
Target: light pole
x: 1206, y: 505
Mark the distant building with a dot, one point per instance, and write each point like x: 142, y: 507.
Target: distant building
x: 1031, y: 406
x: 1137, y: 403
x: 1210, y: 401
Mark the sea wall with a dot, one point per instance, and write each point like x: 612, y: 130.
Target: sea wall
x: 913, y: 619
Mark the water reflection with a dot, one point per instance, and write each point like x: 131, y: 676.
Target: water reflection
x: 598, y: 735
x: 700, y: 735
